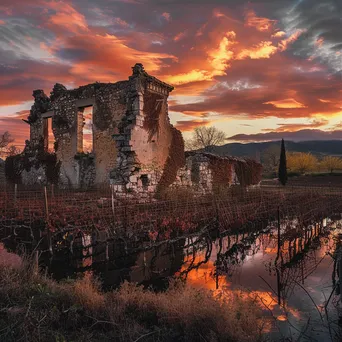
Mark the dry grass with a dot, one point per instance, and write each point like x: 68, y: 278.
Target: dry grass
x: 35, y: 308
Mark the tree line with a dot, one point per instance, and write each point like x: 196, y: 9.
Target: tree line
x: 300, y: 162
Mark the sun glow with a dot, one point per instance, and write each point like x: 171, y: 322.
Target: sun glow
x: 286, y: 103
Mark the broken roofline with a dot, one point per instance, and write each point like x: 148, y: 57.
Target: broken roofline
x: 137, y: 70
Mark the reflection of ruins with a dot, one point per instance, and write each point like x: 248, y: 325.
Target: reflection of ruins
x: 116, y: 261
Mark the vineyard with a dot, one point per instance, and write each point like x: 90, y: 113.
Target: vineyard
x: 48, y: 215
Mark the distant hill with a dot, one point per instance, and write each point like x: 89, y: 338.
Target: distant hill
x: 253, y: 150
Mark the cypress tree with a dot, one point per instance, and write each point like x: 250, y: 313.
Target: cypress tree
x: 282, y: 172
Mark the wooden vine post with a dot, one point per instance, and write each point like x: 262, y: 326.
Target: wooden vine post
x: 46, y: 204
x: 279, y: 239
x: 112, y: 190
x: 15, y: 193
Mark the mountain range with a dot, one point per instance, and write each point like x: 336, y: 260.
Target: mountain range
x: 254, y: 150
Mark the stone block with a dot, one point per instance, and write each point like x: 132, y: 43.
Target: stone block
x: 133, y: 179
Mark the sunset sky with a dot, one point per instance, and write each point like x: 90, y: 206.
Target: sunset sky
x: 256, y: 69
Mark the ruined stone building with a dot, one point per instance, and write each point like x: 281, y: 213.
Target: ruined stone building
x: 118, y: 133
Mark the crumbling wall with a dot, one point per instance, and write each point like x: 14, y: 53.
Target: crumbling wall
x: 145, y: 135
x: 109, y: 106
x: 134, y: 144
x: 33, y: 166
x: 248, y: 172
x: 76, y: 168
x: 196, y: 174
x: 42, y: 104
x: 207, y: 173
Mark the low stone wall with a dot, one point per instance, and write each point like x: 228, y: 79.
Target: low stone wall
x: 202, y: 173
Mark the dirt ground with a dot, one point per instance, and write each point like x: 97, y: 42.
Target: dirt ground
x: 334, y: 180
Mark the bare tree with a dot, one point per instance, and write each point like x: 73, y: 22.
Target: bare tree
x: 270, y: 158
x: 204, y: 138
x: 13, y: 150
x: 5, y: 140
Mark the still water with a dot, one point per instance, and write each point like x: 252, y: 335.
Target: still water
x: 291, y: 284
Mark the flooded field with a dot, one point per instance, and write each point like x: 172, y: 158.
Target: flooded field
x: 293, y: 279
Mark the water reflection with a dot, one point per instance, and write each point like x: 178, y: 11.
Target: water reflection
x: 291, y: 275
x: 292, y: 283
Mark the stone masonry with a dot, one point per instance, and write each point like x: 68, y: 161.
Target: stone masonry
x: 128, y: 146
x: 132, y: 144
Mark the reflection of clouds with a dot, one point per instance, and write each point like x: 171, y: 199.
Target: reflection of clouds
x: 205, y: 276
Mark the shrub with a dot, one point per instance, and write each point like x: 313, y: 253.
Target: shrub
x: 35, y: 308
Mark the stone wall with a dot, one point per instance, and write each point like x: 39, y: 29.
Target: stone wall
x: 113, y: 106
x: 131, y: 133
x: 134, y: 145
x: 207, y: 173
x: 145, y: 135
x: 109, y: 107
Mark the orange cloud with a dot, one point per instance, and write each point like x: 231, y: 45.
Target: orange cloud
x: 266, y: 49
x: 319, y: 42
x: 219, y: 49
x: 108, y: 55
x: 261, y: 24
x: 219, y: 58
x: 286, y: 103
x: 179, y: 36
x: 283, y: 44
x: 2, y: 22
x: 189, y: 125
x: 201, y: 30
x: 195, y: 113
x: 167, y: 16
x: 218, y: 61
x: 278, y: 34
x: 66, y: 17
x: 191, y: 76
x: 261, y: 50
x: 121, y: 22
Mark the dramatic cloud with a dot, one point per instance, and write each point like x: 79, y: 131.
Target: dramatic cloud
x: 261, y: 24
x: 230, y: 60
x: 189, y: 125
x: 286, y: 103
x: 261, y: 50
x: 286, y: 88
